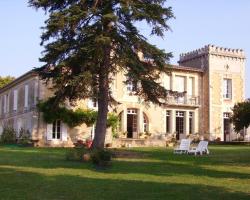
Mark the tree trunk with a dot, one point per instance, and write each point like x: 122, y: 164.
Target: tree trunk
x: 103, y: 98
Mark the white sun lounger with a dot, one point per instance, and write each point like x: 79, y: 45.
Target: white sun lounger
x: 202, y: 148
x: 184, y: 147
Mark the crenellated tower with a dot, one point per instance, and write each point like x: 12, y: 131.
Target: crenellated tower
x: 223, y: 85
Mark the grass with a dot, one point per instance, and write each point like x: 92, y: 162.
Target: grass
x: 42, y: 173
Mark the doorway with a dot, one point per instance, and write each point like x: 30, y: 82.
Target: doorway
x: 179, y: 126
x: 227, y: 126
x: 131, y: 122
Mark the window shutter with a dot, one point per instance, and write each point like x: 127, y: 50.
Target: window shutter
x: 167, y: 82
x: 15, y: 100
x: 26, y: 103
x: 180, y: 83
x: 190, y: 85
x: 230, y: 89
x: 64, y: 132
x: 19, y: 126
x: 5, y: 104
x: 49, y: 131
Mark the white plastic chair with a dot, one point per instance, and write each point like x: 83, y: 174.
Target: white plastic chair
x: 184, y: 147
x: 202, y: 148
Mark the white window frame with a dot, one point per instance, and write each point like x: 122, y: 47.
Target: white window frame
x: 92, y: 104
x: 55, y: 125
x: 180, y: 113
x: 131, y: 86
x: 132, y: 111
x: 226, y: 115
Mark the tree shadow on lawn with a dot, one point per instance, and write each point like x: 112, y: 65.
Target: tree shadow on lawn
x: 171, y: 166
x: 172, y: 169
x: 17, y: 184
x: 225, y: 155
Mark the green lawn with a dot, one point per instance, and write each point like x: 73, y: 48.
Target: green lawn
x: 33, y: 173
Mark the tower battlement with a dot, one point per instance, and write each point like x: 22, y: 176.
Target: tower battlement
x: 213, y: 50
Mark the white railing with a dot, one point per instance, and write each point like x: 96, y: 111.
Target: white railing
x: 184, y: 100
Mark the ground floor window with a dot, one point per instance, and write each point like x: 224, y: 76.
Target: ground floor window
x: 191, y: 115
x: 145, y: 123
x: 56, y: 130
x: 179, y: 124
x: 167, y: 121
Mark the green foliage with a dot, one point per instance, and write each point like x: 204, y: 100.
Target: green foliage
x: 5, y: 80
x: 79, y: 38
x: 24, y: 137
x: 241, y: 115
x: 155, y: 173
x: 75, y: 154
x: 113, y: 122
x: 8, y: 136
x: 101, y: 157
x: 73, y: 118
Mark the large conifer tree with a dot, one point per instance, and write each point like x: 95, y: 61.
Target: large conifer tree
x: 88, y: 41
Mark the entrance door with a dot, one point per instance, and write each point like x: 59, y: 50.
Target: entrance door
x: 226, y: 125
x: 179, y: 124
x: 131, y: 122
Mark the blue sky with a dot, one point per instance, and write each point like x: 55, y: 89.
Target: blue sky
x: 220, y: 22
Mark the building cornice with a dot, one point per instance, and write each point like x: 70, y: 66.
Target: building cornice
x: 212, y: 50
x: 183, y: 68
x: 18, y: 80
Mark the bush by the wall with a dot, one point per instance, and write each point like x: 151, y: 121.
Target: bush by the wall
x: 24, y: 137
x: 72, y: 117
x: 8, y: 136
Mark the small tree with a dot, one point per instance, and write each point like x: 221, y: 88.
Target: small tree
x: 88, y: 42
x: 241, y: 115
x: 5, y: 80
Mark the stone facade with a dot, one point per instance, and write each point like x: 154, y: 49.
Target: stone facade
x: 203, y: 109
x: 219, y: 64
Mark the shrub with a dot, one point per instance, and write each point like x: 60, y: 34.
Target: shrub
x: 24, y: 137
x: 148, y: 134
x: 101, y: 157
x: 239, y: 139
x: 79, y: 144
x: 75, y: 154
x: 8, y: 135
x: 115, y: 134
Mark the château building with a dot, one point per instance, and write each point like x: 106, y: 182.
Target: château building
x: 211, y: 79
